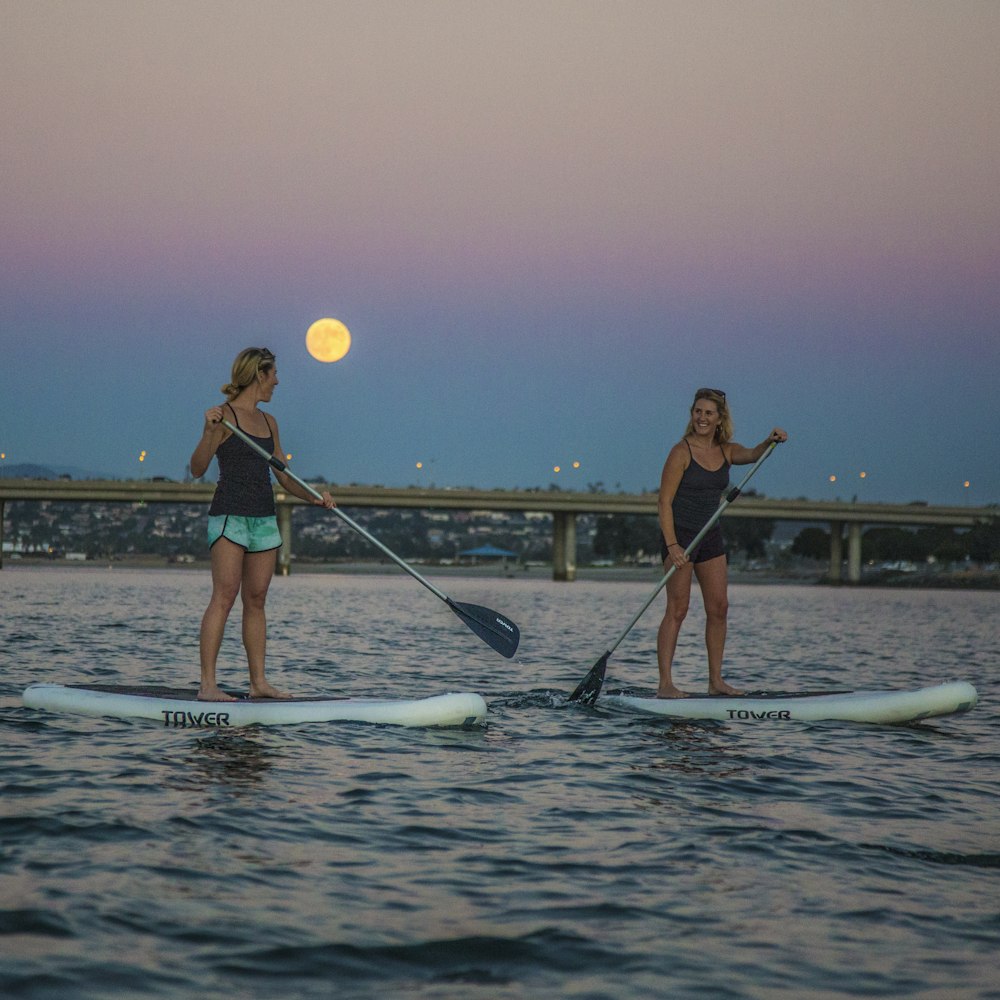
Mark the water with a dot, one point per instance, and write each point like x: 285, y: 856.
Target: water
x: 561, y: 851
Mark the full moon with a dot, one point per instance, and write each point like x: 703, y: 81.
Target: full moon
x: 328, y: 340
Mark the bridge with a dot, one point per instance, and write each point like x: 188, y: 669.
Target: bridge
x: 563, y: 506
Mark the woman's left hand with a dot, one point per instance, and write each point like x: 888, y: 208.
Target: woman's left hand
x: 778, y: 436
x: 326, y: 502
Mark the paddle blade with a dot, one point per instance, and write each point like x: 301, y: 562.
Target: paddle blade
x: 492, y: 627
x: 590, y: 687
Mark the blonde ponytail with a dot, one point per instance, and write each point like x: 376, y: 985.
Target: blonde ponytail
x: 245, y: 369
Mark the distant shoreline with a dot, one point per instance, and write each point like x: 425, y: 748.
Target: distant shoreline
x: 959, y: 580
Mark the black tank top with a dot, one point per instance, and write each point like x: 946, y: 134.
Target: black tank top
x: 244, y: 486
x: 699, y: 494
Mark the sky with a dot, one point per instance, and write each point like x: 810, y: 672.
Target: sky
x: 545, y: 223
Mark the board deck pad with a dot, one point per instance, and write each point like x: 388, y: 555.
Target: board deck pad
x: 191, y: 694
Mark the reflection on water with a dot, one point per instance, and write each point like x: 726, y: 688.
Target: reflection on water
x: 695, y: 748
x: 229, y: 758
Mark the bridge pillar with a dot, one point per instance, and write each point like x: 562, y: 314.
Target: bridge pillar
x: 2, y: 504
x: 836, y: 550
x: 854, y: 552
x: 564, y: 545
x: 284, y: 511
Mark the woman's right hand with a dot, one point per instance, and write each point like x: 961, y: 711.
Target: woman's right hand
x: 677, y: 555
x: 213, y: 418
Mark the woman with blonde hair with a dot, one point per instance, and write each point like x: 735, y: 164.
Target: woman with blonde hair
x: 242, y: 526
x: 695, y: 476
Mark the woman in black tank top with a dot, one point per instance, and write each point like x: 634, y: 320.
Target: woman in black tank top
x: 695, y: 476
x: 243, y: 530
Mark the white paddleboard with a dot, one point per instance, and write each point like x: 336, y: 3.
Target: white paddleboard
x: 179, y: 708
x: 845, y: 706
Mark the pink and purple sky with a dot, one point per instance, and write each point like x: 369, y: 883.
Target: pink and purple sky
x: 545, y: 222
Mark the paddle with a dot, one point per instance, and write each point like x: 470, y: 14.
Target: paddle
x: 590, y: 687
x: 493, y: 628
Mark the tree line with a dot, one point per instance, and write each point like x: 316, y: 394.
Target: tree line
x: 627, y: 537
x: 979, y: 544
x: 103, y: 530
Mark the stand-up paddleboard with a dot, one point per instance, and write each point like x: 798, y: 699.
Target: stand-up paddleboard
x: 843, y: 706
x: 179, y: 708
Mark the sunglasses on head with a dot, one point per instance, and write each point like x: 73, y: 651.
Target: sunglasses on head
x: 714, y: 392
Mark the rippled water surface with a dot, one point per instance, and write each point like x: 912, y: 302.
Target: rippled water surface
x: 559, y: 851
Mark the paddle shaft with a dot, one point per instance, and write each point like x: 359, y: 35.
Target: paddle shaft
x: 276, y: 463
x: 709, y: 524
x: 493, y: 628
x: 590, y: 687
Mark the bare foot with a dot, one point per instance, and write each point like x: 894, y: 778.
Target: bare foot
x: 671, y: 692
x: 214, y: 694
x: 723, y: 688
x: 265, y: 690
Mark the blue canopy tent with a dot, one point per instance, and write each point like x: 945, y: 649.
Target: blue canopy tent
x: 488, y: 552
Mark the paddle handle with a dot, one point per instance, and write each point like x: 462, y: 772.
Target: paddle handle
x: 277, y: 463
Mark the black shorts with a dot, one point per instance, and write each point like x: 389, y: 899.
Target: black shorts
x: 710, y: 547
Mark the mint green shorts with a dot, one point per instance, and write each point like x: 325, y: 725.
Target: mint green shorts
x: 254, y: 534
